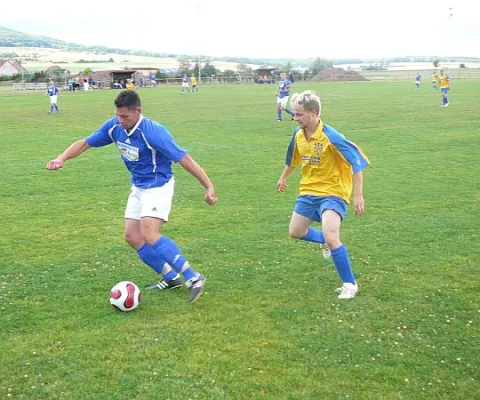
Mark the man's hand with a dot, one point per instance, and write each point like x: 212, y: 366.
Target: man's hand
x: 54, y: 164
x: 210, y: 196
x: 282, y: 185
x: 359, y: 205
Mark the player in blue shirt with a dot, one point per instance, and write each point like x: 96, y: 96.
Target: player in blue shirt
x: 52, y: 92
x: 185, y: 81
x: 153, y: 80
x: 148, y: 151
x: 417, y: 80
x: 283, y: 92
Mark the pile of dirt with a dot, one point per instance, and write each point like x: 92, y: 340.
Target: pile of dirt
x: 338, y: 75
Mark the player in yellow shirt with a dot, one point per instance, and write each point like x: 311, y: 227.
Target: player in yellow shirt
x: 193, y: 82
x: 444, y: 87
x: 331, y: 167
x: 434, y: 80
x: 130, y: 85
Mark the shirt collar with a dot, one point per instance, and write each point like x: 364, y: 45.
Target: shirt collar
x: 135, y: 126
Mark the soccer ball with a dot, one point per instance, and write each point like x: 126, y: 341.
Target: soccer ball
x: 125, y: 296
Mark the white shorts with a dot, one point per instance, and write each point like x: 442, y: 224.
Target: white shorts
x: 417, y: 82
x: 152, y: 202
x: 185, y: 84
x: 282, y: 101
x: 53, y: 99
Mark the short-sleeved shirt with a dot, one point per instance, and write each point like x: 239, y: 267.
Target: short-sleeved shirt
x: 328, y: 161
x: 284, y: 85
x: 148, y: 150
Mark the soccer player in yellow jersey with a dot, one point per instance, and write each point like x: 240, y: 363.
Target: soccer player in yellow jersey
x: 444, y: 87
x: 434, y: 80
x: 130, y: 85
x: 193, y: 82
x: 331, y: 167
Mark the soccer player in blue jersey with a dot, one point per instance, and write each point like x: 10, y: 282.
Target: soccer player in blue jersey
x: 283, y: 92
x: 52, y: 92
x: 418, y: 78
x: 148, y: 151
x: 185, y: 81
x: 444, y: 88
x: 331, y: 167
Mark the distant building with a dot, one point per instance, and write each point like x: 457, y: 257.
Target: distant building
x: 54, y: 71
x: 264, y: 75
x: 11, y: 67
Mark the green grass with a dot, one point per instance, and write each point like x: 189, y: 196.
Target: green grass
x: 269, y: 325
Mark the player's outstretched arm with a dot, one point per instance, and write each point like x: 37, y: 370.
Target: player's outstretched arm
x: 72, y: 151
x: 190, y: 165
x: 358, y: 201
x: 282, y: 181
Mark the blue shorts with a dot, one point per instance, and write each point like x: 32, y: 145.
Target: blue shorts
x: 312, y: 207
x: 445, y: 90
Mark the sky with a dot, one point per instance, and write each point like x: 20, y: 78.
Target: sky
x: 261, y: 28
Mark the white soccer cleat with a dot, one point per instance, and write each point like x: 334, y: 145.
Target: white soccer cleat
x: 446, y: 104
x: 327, y: 253
x: 347, y: 291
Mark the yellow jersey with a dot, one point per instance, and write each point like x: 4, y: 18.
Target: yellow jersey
x: 434, y: 78
x: 328, y: 162
x: 444, y: 81
x: 193, y: 81
x: 130, y: 86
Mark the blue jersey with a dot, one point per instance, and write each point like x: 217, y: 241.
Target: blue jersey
x: 284, y: 85
x: 52, y: 90
x: 185, y: 79
x: 418, y: 77
x: 153, y: 77
x: 148, y: 150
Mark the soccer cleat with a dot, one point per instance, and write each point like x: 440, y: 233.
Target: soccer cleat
x: 167, y: 284
x: 325, y: 250
x: 446, y: 104
x: 347, y: 291
x: 195, y: 288
x: 49, y: 112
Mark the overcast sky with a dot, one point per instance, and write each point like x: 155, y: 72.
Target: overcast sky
x: 260, y: 28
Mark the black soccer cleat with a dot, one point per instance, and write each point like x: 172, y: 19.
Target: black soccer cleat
x: 195, y: 288
x: 167, y: 284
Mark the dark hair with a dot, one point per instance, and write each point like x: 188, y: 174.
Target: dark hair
x: 129, y: 99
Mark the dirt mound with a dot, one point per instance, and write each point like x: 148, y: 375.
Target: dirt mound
x: 338, y: 74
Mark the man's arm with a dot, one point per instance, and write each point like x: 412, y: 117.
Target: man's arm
x: 190, y: 165
x: 358, y: 201
x: 72, y: 151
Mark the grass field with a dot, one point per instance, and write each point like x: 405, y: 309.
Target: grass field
x: 269, y: 325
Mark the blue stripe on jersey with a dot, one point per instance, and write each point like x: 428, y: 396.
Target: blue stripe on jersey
x: 291, y: 148
x: 349, y: 150
x: 148, y: 151
x: 52, y: 90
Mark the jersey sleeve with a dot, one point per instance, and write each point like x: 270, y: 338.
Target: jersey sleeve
x: 103, y: 136
x: 160, y: 139
x: 293, y: 156
x: 349, y: 150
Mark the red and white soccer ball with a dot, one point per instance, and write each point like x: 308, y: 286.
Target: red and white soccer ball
x: 125, y: 296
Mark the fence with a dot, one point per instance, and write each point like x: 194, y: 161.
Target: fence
x: 30, y: 86
x: 457, y: 73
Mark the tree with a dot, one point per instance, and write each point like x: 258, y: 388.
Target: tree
x: 184, y: 65
x: 462, y: 65
x: 319, y: 65
x: 436, y: 63
x: 244, y: 70
x: 87, y: 71
x: 208, y: 70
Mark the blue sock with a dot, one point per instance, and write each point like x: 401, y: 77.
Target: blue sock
x: 279, y: 113
x: 288, y: 111
x: 342, y: 263
x: 314, y: 235
x: 56, y: 108
x: 446, y: 100
x: 150, y: 257
x: 169, y: 250
x: 51, y: 108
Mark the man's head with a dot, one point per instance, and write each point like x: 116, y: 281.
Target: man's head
x: 283, y: 76
x: 441, y: 72
x: 51, y: 83
x: 128, y: 108
x: 307, y: 107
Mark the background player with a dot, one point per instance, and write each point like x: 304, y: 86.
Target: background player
x: 283, y: 92
x: 52, y: 92
x: 444, y: 87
